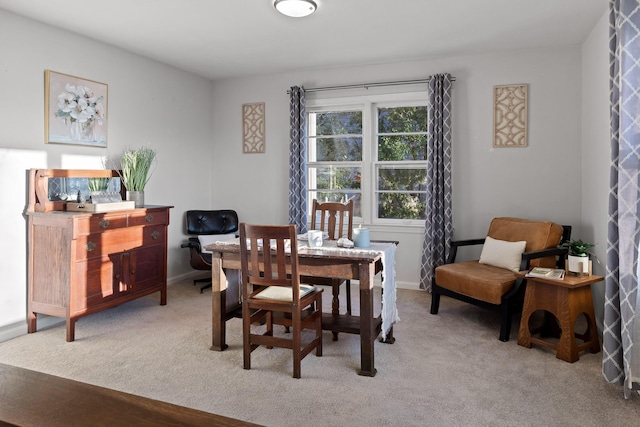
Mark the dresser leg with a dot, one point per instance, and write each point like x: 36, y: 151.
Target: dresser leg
x: 31, y: 322
x: 71, y: 329
x: 163, y: 295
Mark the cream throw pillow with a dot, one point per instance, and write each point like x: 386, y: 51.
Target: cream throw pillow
x: 503, y: 254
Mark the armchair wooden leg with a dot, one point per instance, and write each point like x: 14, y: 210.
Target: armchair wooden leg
x: 435, y: 302
x: 505, y: 322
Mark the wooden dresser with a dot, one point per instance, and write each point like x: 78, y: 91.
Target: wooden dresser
x: 80, y: 263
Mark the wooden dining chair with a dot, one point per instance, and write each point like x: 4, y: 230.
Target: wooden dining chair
x: 271, y: 285
x: 336, y: 219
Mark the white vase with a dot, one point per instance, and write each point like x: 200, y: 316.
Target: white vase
x: 578, y: 264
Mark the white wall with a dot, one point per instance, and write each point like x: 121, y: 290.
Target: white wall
x: 198, y: 138
x: 542, y: 181
x: 596, y: 150
x: 149, y: 104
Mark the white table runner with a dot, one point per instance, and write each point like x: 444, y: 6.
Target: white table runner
x: 387, y: 251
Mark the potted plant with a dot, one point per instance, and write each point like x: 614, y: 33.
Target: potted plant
x: 578, y: 258
x: 135, y: 172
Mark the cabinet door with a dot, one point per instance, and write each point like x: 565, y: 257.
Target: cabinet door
x: 97, y: 280
x: 146, y: 264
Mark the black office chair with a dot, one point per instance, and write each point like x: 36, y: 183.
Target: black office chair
x: 201, y: 224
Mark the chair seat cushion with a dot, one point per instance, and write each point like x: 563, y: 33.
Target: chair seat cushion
x: 480, y: 281
x: 282, y: 293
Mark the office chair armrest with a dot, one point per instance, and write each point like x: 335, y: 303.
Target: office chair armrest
x: 192, y: 244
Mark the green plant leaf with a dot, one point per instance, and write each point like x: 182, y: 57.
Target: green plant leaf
x: 136, y: 167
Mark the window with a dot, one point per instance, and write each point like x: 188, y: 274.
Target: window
x: 334, y: 162
x: 373, y: 151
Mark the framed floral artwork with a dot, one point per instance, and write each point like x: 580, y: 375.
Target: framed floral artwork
x: 75, y: 110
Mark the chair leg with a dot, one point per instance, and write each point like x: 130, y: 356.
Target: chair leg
x: 319, y: 327
x: 246, y: 338
x: 505, y: 322
x: 348, y: 293
x: 296, y: 344
x: 335, y: 302
x: 435, y: 302
x: 203, y: 280
x: 269, y: 323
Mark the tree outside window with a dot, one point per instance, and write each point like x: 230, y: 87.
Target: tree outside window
x: 385, y: 145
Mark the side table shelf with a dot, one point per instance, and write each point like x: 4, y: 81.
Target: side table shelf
x: 566, y: 299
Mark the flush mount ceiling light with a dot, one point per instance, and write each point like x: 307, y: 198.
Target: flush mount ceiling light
x: 295, y: 8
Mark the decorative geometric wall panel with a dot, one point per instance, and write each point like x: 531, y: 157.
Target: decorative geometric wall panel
x: 253, y: 140
x: 510, y: 116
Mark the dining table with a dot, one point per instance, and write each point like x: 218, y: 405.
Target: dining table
x: 328, y: 260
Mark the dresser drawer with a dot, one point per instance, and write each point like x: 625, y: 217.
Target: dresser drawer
x: 100, y: 223
x: 150, y: 217
x: 118, y: 240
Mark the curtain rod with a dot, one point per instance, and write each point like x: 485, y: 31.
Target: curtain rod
x: 368, y: 85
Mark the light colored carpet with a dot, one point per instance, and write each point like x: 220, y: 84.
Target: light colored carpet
x: 444, y: 370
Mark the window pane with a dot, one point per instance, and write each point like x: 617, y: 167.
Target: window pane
x: 402, y: 147
x: 336, y: 149
x: 402, y: 205
x: 337, y: 123
x: 402, y: 179
x: 402, y: 119
x: 334, y: 178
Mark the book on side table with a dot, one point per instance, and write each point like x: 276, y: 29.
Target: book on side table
x: 546, y: 273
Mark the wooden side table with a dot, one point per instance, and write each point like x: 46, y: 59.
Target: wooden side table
x: 565, y: 299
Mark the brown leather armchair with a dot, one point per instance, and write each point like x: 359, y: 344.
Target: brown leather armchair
x: 495, y: 287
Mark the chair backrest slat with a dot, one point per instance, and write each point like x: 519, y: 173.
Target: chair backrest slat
x: 274, y: 262
x: 334, y: 217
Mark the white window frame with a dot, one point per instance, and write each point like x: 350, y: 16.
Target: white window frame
x: 368, y: 104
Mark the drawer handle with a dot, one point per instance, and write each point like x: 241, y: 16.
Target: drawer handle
x: 155, y: 235
x: 90, y: 246
x: 104, y: 223
x: 148, y: 218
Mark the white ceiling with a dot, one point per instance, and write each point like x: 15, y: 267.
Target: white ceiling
x: 218, y: 39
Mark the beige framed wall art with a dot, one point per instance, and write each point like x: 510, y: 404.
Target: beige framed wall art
x: 253, y: 128
x: 75, y: 110
x: 510, y: 116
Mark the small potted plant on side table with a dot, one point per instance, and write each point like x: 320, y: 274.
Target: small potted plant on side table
x: 578, y: 261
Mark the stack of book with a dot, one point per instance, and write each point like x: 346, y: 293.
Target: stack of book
x: 546, y: 273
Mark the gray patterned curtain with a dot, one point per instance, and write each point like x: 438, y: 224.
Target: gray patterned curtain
x: 438, y: 225
x: 297, y: 160
x: 621, y: 333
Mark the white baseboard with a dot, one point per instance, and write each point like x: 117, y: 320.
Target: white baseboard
x: 377, y: 281
x: 13, y: 330
x: 186, y: 276
x: 195, y: 274
x: 17, y: 329
x: 408, y: 285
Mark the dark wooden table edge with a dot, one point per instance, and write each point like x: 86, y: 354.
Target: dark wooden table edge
x: 31, y: 398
